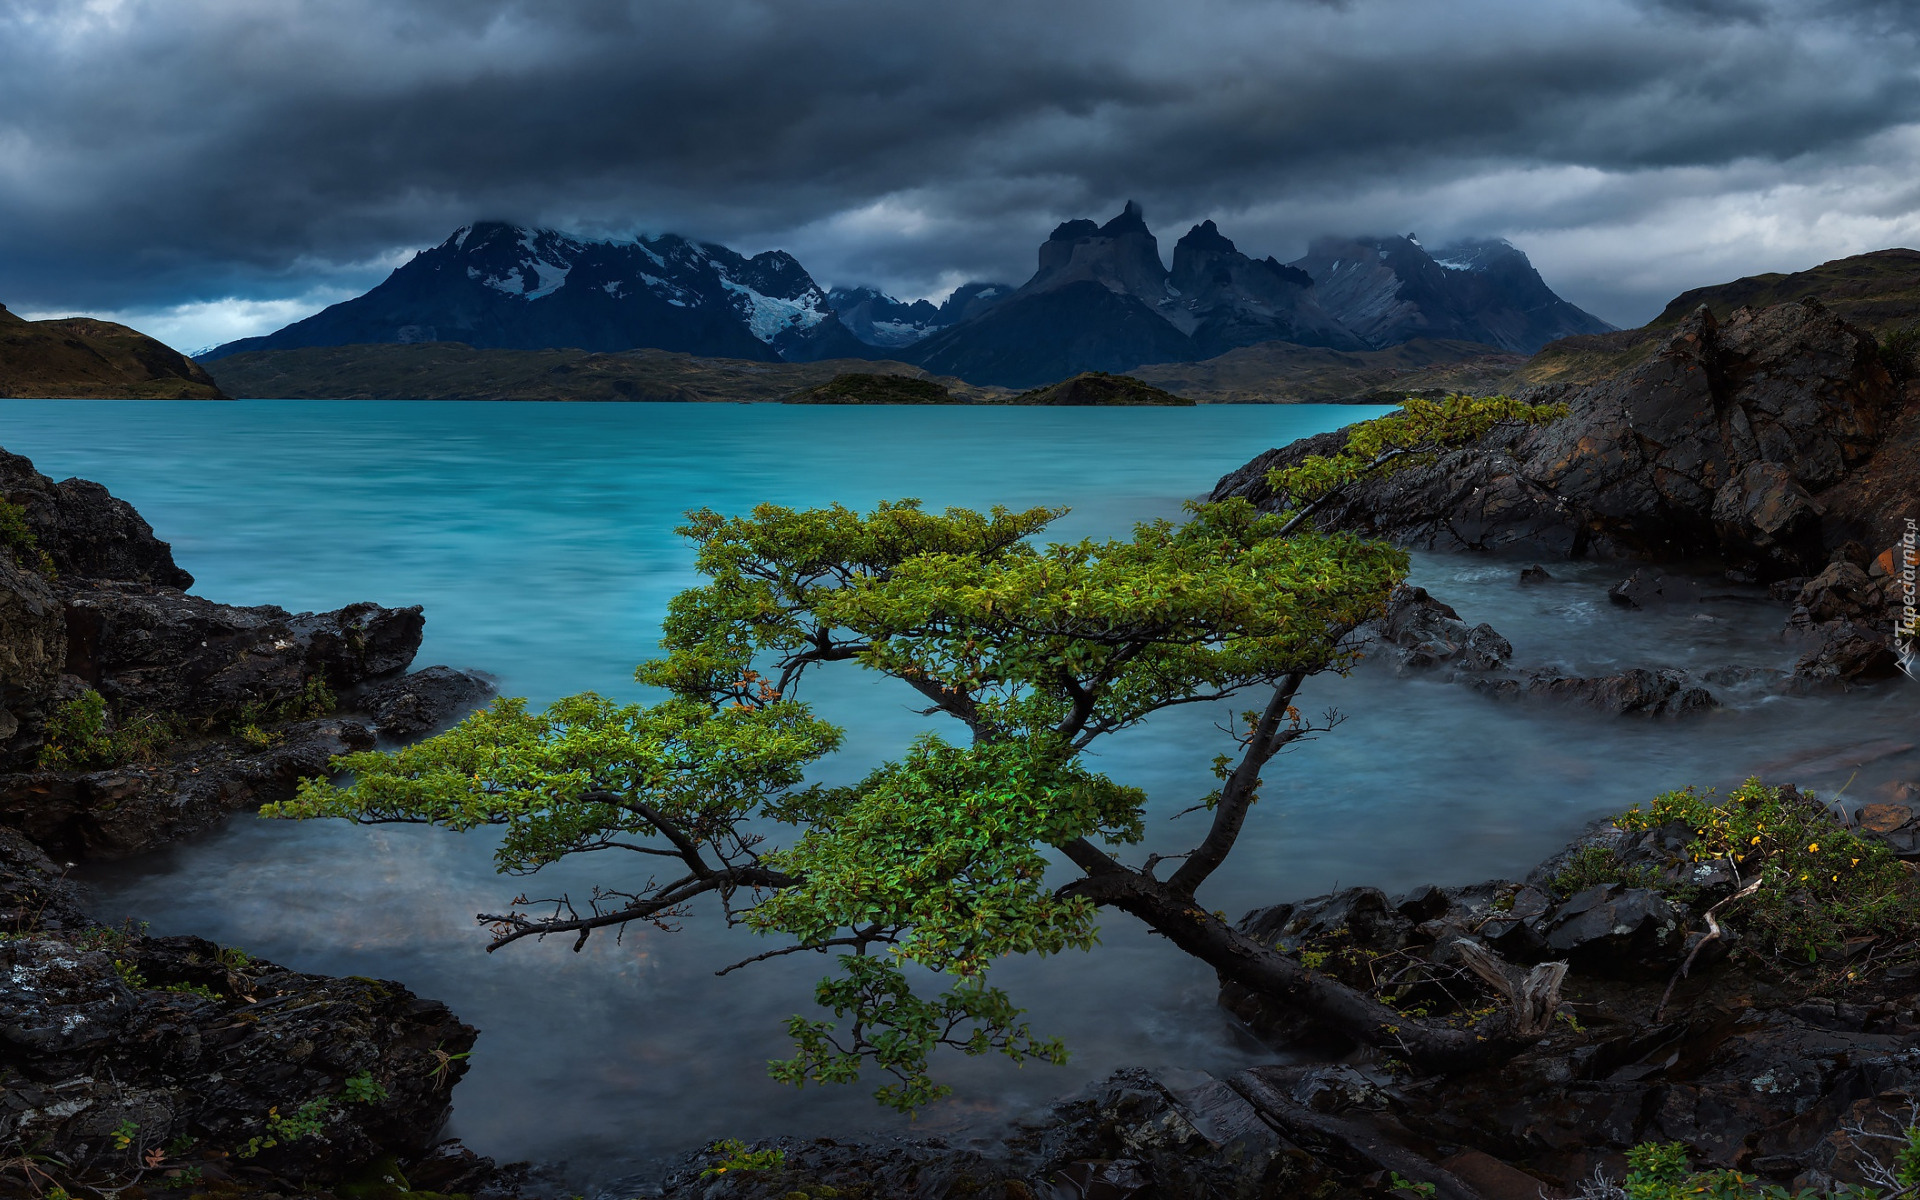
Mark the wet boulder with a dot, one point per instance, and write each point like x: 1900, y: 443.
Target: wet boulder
x: 1639, y: 691
x: 1765, y: 517
x: 87, y: 532
x: 1429, y: 632
x: 421, y: 702
x: 1615, y: 930
x: 1847, y: 652
x: 165, y: 651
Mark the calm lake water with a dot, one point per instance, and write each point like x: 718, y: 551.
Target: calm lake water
x: 539, y: 538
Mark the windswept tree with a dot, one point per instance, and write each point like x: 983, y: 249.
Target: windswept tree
x: 950, y: 857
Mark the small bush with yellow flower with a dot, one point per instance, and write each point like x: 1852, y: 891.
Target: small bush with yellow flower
x: 1827, y: 888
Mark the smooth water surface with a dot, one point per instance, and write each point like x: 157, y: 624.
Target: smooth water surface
x: 539, y: 538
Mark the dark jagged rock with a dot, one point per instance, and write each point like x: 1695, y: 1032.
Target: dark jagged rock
x: 1712, y: 448
x: 1637, y: 691
x: 86, y: 531
x: 1429, y: 632
x: 1772, y: 443
x: 117, y: 1049
x: 1535, y: 574
x: 33, y: 649
x: 1850, y: 614
x: 422, y: 702
x: 1144, y: 1135
x: 1749, y: 1072
x: 118, y: 811
x: 205, y: 709
x: 163, y: 650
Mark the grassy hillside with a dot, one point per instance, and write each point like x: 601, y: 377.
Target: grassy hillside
x: 1091, y: 388
x: 1273, y: 373
x: 454, y: 371
x: 1878, y: 291
x: 864, y: 387
x: 80, y: 358
x: 1283, y: 373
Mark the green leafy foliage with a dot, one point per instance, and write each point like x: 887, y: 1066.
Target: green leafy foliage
x: 363, y: 1089
x: 894, y: 1029
x: 735, y: 1156
x: 18, y: 536
x: 79, y: 734
x: 1418, y: 433
x: 1825, y: 884
x: 1659, y: 1171
x: 933, y: 866
x: 309, y: 1120
x: 1900, y: 352
x: 1590, y: 866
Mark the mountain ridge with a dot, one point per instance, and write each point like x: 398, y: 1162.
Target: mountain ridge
x: 1100, y: 299
x: 497, y: 286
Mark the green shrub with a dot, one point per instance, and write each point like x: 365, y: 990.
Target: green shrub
x: 77, y: 735
x: 734, y: 1156
x: 1825, y: 885
x: 17, y: 536
x: 1900, y: 352
x: 1590, y: 866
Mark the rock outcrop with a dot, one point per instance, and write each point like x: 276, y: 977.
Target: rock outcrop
x: 202, y: 709
x: 1721, y: 445
x: 171, y: 1061
x: 133, y: 714
x: 1767, y: 443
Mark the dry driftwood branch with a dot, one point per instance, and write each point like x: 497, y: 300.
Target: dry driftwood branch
x: 1533, y: 995
x: 1713, y: 934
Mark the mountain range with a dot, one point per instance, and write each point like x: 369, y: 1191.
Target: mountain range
x: 504, y: 287
x: 1100, y: 299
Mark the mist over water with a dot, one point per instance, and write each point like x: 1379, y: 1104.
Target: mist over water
x: 539, y: 538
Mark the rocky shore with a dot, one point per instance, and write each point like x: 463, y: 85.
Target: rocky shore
x: 1773, y: 446
x: 1772, y: 449
x: 133, y: 714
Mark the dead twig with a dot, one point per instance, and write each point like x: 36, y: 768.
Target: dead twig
x: 1713, y: 933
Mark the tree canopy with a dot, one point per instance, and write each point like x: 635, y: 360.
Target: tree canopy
x: 938, y: 859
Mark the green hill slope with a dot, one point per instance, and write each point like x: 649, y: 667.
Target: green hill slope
x: 81, y: 358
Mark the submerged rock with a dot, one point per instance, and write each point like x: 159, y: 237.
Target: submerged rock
x: 1429, y: 633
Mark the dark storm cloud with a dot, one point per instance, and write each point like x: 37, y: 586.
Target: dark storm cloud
x: 155, y: 154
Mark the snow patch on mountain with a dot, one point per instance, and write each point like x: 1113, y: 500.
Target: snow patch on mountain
x: 768, y: 317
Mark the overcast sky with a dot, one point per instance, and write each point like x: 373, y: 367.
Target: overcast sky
x: 209, y: 169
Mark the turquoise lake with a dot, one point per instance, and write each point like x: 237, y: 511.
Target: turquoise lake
x: 540, y: 540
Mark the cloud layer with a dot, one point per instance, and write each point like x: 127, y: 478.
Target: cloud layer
x: 217, y: 164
